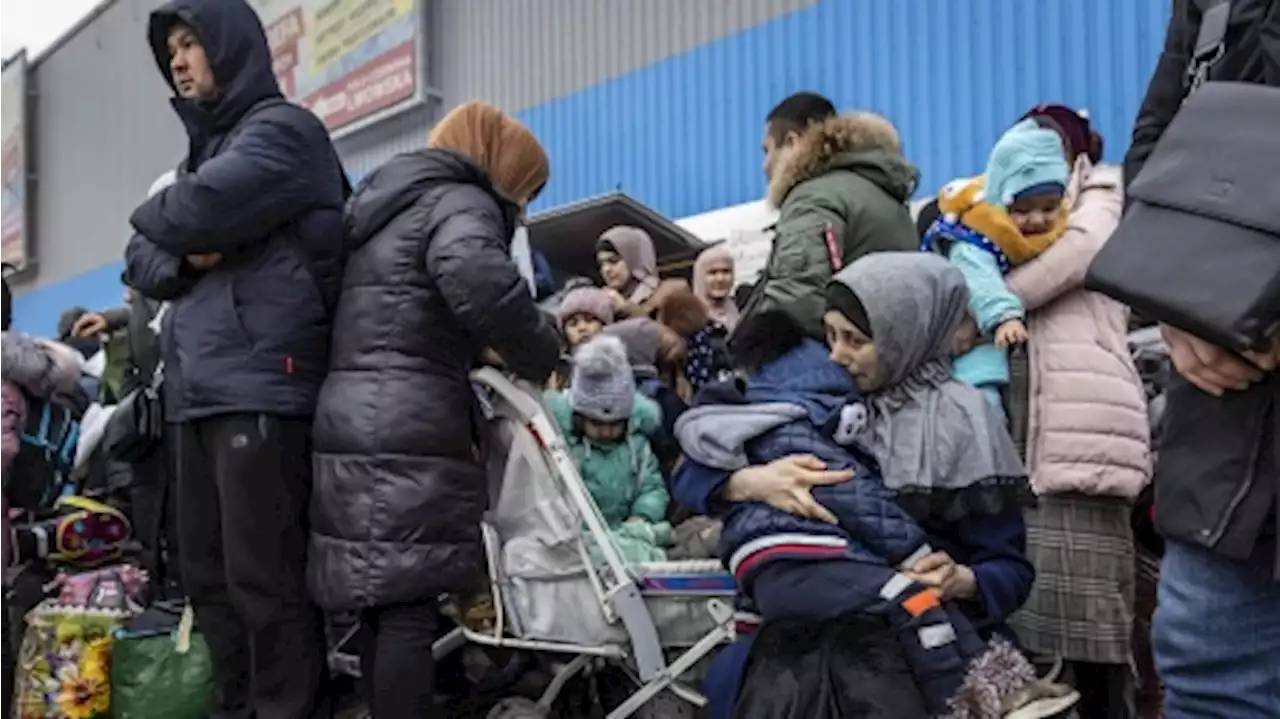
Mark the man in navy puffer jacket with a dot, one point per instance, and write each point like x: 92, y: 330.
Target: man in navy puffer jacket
x: 791, y: 567
x: 246, y: 245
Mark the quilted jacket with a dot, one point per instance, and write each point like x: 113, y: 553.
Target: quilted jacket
x: 796, y: 405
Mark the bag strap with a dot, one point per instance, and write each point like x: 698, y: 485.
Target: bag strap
x: 152, y: 388
x: 1210, y: 45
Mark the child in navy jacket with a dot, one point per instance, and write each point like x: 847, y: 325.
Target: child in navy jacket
x: 942, y: 455
x: 790, y: 567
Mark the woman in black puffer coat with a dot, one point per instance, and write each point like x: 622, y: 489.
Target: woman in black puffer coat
x: 400, y: 483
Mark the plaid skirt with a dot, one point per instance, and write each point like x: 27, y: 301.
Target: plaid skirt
x: 1081, y: 607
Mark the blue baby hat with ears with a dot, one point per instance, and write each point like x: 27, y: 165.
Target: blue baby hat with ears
x: 1025, y: 157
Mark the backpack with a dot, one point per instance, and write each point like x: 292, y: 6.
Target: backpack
x: 42, y: 469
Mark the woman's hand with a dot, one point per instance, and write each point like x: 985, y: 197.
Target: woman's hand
x: 785, y: 484
x: 939, y: 572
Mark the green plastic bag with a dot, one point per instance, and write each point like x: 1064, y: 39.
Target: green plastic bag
x: 161, y: 675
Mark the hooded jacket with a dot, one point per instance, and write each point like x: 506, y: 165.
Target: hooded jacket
x: 623, y: 478
x: 400, y: 484
x: 798, y: 404
x: 841, y: 190
x: 34, y: 369
x: 261, y: 185
x: 38, y: 371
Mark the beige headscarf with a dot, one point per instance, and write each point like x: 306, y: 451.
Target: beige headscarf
x: 497, y: 142
x: 723, y: 311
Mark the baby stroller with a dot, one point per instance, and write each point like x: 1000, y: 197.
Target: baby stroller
x: 560, y: 586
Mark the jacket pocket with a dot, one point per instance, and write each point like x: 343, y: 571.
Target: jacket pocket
x: 1210, y: 460
x: 279, y: 305
x: 206, y: 324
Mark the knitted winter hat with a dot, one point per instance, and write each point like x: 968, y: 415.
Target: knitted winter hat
x: 643, y: 338
x: 602, y: 387
x: 591, y: 301
x: 1025, y: 157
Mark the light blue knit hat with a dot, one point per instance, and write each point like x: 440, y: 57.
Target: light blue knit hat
x: 1026, y: 156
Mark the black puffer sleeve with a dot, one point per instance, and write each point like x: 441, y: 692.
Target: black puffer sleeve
x: 468, y: 258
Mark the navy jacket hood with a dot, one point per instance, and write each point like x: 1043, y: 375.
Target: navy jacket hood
x: 402, y: 181
x: 806, y: 376
x: 236, y: 45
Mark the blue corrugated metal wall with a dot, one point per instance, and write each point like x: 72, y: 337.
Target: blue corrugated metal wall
x: 683, y: 134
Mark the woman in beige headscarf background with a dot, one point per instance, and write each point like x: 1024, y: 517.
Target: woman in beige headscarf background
x: 400, y: 484
x: 713, y: 277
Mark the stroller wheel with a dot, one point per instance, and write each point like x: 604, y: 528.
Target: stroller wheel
x: 516, y: 708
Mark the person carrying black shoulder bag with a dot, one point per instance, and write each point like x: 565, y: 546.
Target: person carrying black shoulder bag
x: 1199, y: 251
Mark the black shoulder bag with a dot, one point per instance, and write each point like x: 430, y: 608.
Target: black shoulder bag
x: 1199, y: 248
x: 136, y: 430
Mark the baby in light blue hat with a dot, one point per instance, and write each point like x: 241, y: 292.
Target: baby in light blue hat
x: 994, y: 223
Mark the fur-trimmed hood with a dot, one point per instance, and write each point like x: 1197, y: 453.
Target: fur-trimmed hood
x: 40, y: 367
x: 860, y: 142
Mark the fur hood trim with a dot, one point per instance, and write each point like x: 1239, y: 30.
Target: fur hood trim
x: 41, y: 367
x: 811, y: 154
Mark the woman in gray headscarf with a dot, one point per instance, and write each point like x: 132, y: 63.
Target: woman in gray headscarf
x: 941, y: 447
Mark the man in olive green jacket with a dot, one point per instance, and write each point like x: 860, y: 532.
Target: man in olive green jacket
x: 841, y: 184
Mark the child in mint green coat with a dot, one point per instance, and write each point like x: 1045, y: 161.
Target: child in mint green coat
x: 607, y: 425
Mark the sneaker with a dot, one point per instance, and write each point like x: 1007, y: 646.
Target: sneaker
x: 1043, y: 698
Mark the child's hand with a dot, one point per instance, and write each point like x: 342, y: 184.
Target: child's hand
x: 636, y: 520
x: 1011, y: 333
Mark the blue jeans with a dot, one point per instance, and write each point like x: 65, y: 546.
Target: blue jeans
x: 1216, y: 637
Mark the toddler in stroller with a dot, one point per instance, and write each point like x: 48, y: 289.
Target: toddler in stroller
x: 561, y: 588
x: 607, y: 425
